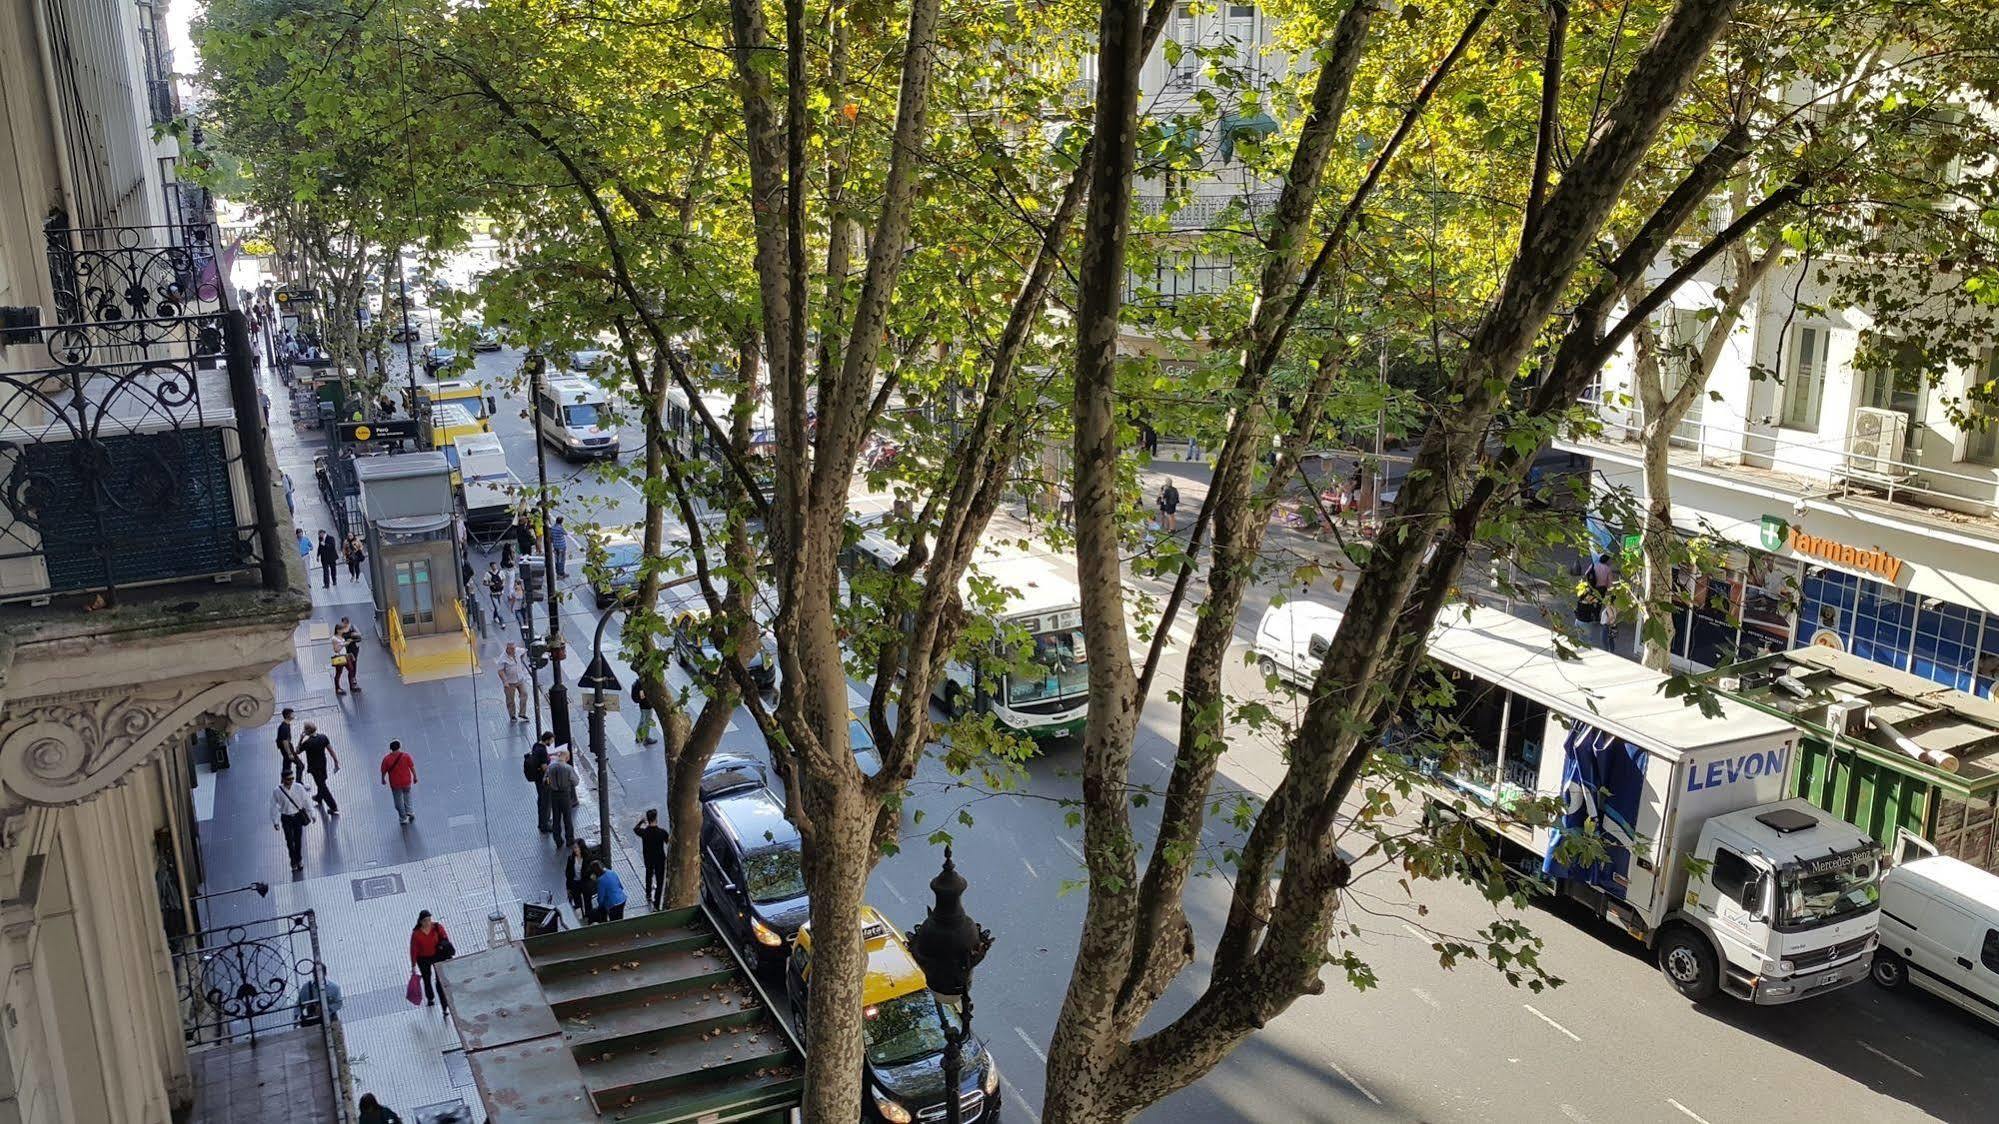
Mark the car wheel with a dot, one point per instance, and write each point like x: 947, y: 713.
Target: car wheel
x: 1688, y: 962
x: 1889, y: 971
x: 1267, y: 667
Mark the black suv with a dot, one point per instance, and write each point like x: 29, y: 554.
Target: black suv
x: 752, y: 867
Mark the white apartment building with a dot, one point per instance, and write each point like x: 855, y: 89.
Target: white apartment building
x: 1860, y: 515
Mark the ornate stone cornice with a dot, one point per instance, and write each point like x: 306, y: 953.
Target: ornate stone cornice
x: 64, y: 749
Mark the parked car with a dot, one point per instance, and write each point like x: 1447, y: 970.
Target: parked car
x: 1940, y: 931
x: 752, y: 864
x: 1292, y: 638
x: 618, y: 578
x: 902, y: 1033
x: 485, y: 339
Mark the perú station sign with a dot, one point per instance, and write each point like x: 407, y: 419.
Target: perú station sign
x: 1777, y: 533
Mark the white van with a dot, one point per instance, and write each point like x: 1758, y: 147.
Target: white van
x: 1940, y: 931
x: 1292, y: 639
x: 574, y: 416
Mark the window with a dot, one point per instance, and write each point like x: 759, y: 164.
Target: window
x: 1242, y: 11
x: 1898, y: 390
x: 1989, y: 955
x: 1804, y: 384
x: 1946, y: 643
x: 1316, y: 647
x: 1189, y: 62
x: 1731, y: 873
x: 413, y: 596
x: 1981, y: 445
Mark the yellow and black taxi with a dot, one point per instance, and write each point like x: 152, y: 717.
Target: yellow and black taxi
x: 752, y: 865
x: 902, y: 1034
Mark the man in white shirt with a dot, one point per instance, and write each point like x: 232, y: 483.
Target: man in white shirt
x: 291, y: 810
x: 513, y: 673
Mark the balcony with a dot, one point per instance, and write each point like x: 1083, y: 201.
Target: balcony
x: 132, y: 446
x: 1203, y: 212
x: 1870, y: 466
x: 260, y: 1015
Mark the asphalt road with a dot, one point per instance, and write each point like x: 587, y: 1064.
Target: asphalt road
x: 1613, y: 1043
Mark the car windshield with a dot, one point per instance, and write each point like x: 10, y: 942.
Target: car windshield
x: 623, y: 556
x: 905, y: 1029
x: 1808, y: 896
x: 774, y: 874
x: 581, y: 415
x: 1063, y: 665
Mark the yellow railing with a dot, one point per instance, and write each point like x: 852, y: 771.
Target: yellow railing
x: 397, y: 645
x: 465, y: 626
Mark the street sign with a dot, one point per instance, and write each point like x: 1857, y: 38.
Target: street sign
x: 599, y: 674
x: 397, y: 429
x: 295, y: 296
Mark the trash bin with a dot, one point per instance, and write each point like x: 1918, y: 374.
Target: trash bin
x: 539, y: 918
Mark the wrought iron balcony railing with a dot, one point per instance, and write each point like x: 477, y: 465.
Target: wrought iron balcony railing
x: 262, y: 977
x: 136, y: 456
x: 110, y: 275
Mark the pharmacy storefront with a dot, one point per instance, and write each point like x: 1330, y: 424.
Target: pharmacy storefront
x: 1910, y: 591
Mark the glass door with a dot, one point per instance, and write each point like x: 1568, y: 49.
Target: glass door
x: 413, y: 595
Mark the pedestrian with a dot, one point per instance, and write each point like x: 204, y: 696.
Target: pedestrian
x: 305, y: 548
x: 1065, y: 505
x: 652, y: 845
x: 1602, y: 575
x: 317, y: 749
x: 287, y: 748
x: 534, y: 766
x: 1169, y: 507
x: 291, y: 810
x: 507, y: 552
x: 375, y: 1112
x: 517, y: 597
x: 329, y: 560
x: 399, y: 773
x: 430, y: 946
x: 496, y: 589
x: 513, y: 672
x: 355, y: 554
x: 347, y: 655
x: 558, y: 544
x: 610, y: 893
x: 563, y: 782
x: 576, y: 876
x: 524, y: 537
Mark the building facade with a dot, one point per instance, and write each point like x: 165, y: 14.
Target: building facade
x: 146, y: 581
x: 1860, y: 503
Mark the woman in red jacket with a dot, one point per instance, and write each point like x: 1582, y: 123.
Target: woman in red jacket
x: 429, y: 944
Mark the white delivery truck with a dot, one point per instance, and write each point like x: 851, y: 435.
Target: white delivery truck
x: 486, y: 485
x: 1736, y: 888
x: 574, y: 415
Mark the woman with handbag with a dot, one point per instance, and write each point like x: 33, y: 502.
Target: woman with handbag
x: 355, y: 554
x: 576, y: 876
x: 429, y: 945
x: 291, y: 810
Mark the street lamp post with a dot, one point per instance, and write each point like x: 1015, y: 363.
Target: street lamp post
x: 598, y: 678
x: 558, y: 692
x: 947, y: 946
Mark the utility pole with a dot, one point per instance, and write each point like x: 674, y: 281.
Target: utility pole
x: 558, y: 691
x: 409, y: 348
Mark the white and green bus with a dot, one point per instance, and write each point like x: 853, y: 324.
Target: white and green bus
x: 1041, y: 600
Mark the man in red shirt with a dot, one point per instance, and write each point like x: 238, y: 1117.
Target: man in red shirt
x: 399, y: 773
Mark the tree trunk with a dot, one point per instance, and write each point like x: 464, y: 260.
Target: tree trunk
x: 836, y: 866
x: 1655, y: 613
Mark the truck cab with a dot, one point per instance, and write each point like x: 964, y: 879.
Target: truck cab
x: 471, y: 411
x: 902, y: 1033
x: 1788, y: 900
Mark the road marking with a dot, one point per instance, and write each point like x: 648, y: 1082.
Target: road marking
x: 1072, y: 848
x: 1574, y: 1113
x: 1030, y: 867
x: 1426, y: 997
x: 1422, y: 936
x: 1688, y: 1112
x: 1348, y: 1077
x: 1157, y: 761
x: 1901, y: 1065
x: 1019, y: 1100
x: 1558, y: 1026
x: 1036, y: 1050
x: 893, y: 892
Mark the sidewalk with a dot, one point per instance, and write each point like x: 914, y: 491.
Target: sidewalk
x: 471, y: 854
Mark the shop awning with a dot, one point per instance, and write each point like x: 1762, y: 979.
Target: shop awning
x: 1234, y: 126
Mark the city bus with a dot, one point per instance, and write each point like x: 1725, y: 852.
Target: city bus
x: 1042, y: 612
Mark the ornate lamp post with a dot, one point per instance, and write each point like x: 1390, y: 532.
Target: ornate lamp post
x: 947, y: 946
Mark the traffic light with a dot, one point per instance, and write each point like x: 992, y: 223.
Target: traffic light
x: 538, y: 653
x: 532, y: 569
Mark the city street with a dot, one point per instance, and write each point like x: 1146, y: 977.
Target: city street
x: 1613, y: 1043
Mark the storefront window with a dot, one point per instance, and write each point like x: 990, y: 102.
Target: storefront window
x: 1946, y: 644
x: 1828, y: 605
x: 1883, y: 622
x: 1987, y: 669
x: 1739, y: 612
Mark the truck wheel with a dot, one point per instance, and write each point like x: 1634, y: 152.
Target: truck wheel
x: 1889, y: 971
x: 1266, y: 667
x: 1689, y: 964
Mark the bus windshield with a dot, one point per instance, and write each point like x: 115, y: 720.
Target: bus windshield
x: 582, y: 415
x: 1063, y: 668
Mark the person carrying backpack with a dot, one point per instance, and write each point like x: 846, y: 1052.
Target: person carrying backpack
x: 534, y: 766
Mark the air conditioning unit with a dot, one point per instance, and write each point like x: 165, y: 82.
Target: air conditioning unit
x: 1876, y: 447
